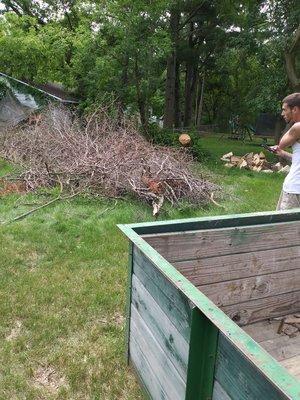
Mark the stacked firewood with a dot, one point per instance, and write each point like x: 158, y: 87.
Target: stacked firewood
x: 254, y: 162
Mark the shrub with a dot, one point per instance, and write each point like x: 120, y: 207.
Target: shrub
x: 167, y: 137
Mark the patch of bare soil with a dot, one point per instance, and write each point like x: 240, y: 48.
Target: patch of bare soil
x: 15, y: 332
x: 46, y: 377
x: 7, y: 187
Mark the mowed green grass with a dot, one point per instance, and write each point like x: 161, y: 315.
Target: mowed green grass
x: 63, y: 284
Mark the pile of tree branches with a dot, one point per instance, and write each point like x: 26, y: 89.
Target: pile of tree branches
x: 102, y: 155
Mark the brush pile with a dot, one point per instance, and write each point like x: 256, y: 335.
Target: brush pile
x: 102, y: 156
x: 253, y: 161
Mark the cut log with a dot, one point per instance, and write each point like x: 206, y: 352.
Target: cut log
x: 256, y: 159
x: 242, y: 164
x: 235, y: 159
x: 285, y: 169
x: 226, y: 157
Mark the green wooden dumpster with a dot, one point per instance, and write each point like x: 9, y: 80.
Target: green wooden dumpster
x: 207, y: 299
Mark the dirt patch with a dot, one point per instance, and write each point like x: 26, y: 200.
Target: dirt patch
x: 7, y: 187
x: 117, y: 319
x: 15, y: 332
x: 46, y: 377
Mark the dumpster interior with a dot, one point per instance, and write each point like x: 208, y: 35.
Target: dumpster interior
x: 249, y: 272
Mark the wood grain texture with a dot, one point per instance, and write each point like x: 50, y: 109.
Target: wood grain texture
x: 263, y: 330
x: 293, y: 366
x: 216, y: 242
x: 169, y: 298
x: 219, y: 393
x: 260, y: 309
x: 144, y: 343
x: 166, y: 334
x: 148, y: 378
x: 256, y: 287
x: 282, y: 347
x: 240, y: 378
x: 235, y: 266
x: 213, y: 222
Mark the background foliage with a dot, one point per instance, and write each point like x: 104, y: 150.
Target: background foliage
x: 189, y: 62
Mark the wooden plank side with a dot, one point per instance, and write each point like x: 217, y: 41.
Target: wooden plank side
x: 256, y: 287
x: 213, y: 222
x: 214, y: 242
x: 219, y: 393
x: 143, y: 341
x: 262, y: 360
x: 235, y: 266
x: 165, y: 333
x: 240, y: 379
x: 263, y: 330
x: 147, y: 377
x: 260, y: 309
x: 168, y: 297
x: 128, y: 299
x: 282, y: 347
x: 293, y: 366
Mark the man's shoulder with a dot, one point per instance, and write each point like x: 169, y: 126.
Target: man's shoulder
x: 295, y: 129
x: 296, y: 125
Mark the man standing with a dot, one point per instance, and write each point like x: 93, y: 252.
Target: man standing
x: 290, y: 195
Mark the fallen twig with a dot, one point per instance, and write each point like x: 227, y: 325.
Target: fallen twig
x: 214, y: 201
x: 108, y: 209
x: 40, y: 207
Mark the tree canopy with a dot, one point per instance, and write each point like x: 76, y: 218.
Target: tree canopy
x: 191, y: 62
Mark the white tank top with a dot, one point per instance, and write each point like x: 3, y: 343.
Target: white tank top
x: 292, y: 181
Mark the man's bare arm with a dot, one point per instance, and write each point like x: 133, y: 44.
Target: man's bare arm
x: 284, y: 154
x: 290, y: 137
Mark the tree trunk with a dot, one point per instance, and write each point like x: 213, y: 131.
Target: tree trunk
x: 172, y: 73
x: 177, y: 116
x: 190, y: 86
x: 190, y: 80
x: 290, y: 62
x: 124, y: 81
x: 141, y: 100
x: 200, y: 102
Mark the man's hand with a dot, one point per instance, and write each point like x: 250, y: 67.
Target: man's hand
x: 281, y: 153
x: 277, y: 150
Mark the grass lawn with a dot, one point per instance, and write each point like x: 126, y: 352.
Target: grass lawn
x: 63, y: 284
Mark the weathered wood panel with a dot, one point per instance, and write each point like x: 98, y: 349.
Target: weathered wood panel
x: 143, y: 345
x: 256, y: 287
x: 216, y: 242
x: 214, y: 222
x: 282, y: 347
x: 240, y: 379
x: 263, y: 330
x: 235, y: 266
x: 166, y: 334
x: 219, y: 393
x: 168, y: 297
x: 260, y: 309
x: 147, y: 375
x: 293, y: 366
